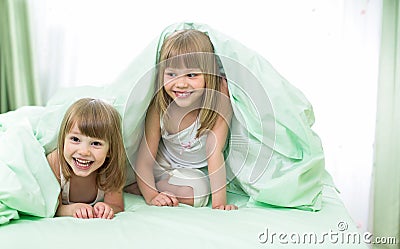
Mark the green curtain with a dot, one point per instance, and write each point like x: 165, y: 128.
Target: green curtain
x: 386, y: 172
x: 18, y: 84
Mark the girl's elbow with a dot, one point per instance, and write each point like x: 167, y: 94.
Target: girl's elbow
x: 213, y: 148
x: 119, y: 209
x: 214, y: 152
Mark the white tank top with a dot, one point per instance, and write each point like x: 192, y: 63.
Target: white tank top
x: 183, y: 149
x: 65, y: 192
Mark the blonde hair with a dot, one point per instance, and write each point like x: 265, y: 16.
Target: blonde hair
x: 97, y: 119
x: 191, y: 49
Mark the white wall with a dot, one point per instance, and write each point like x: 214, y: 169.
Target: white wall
x: 326, y: 48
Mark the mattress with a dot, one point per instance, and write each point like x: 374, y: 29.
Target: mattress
x: 143, y: 226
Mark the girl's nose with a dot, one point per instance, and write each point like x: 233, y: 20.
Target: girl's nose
x: 181, y: 83
x: 84, y: 150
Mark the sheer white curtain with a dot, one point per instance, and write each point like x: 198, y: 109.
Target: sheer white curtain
x: 385, y: 209
x: 326, y: 48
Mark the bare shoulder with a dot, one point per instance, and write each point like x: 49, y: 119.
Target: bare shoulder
x: 54, y: 162
x: 224, y: 108
x: 152, y: 110
x: 224, y: 87
x: 152, y: 117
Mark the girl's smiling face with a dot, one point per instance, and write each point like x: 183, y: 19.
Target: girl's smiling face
x: 185, y: 86
x: 84, y: 154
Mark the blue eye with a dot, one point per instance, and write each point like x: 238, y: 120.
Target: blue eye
x: 192, y: 75
x: 169, y: 74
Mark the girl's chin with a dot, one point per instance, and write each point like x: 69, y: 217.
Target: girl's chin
x: 183, y: 105
x: 82, y: 173
x: 187, y: 103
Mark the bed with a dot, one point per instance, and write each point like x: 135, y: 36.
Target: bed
x: 275, y: 169
x: 143, y: 226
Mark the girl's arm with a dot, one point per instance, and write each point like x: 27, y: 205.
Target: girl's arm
x: 216, y: 164
x: 146, y: 159
x: 115, y: 200
x: 77, y: 210
x: 54, y: 162
x: 113, y: 204
x: 215, y: 145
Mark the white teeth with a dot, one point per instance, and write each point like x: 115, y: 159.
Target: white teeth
x: 82, y: 163
x: 185, y: 94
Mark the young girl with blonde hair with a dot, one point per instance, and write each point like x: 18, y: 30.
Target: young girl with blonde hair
x: 90, y: 161
x: 186, y: 127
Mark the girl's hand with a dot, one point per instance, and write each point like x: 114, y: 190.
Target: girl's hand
x: 82, y: 211
x: 165, y: 199
x: 103, y: 210
x: 226, y: 207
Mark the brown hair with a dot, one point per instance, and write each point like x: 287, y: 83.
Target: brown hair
x: 192, y: 49
x: 97, y: 119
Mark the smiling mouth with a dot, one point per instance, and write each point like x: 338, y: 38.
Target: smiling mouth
x: 182, y: 94
x: 82, y: 164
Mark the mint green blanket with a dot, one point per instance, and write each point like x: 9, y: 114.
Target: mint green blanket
x: 273, y: 155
